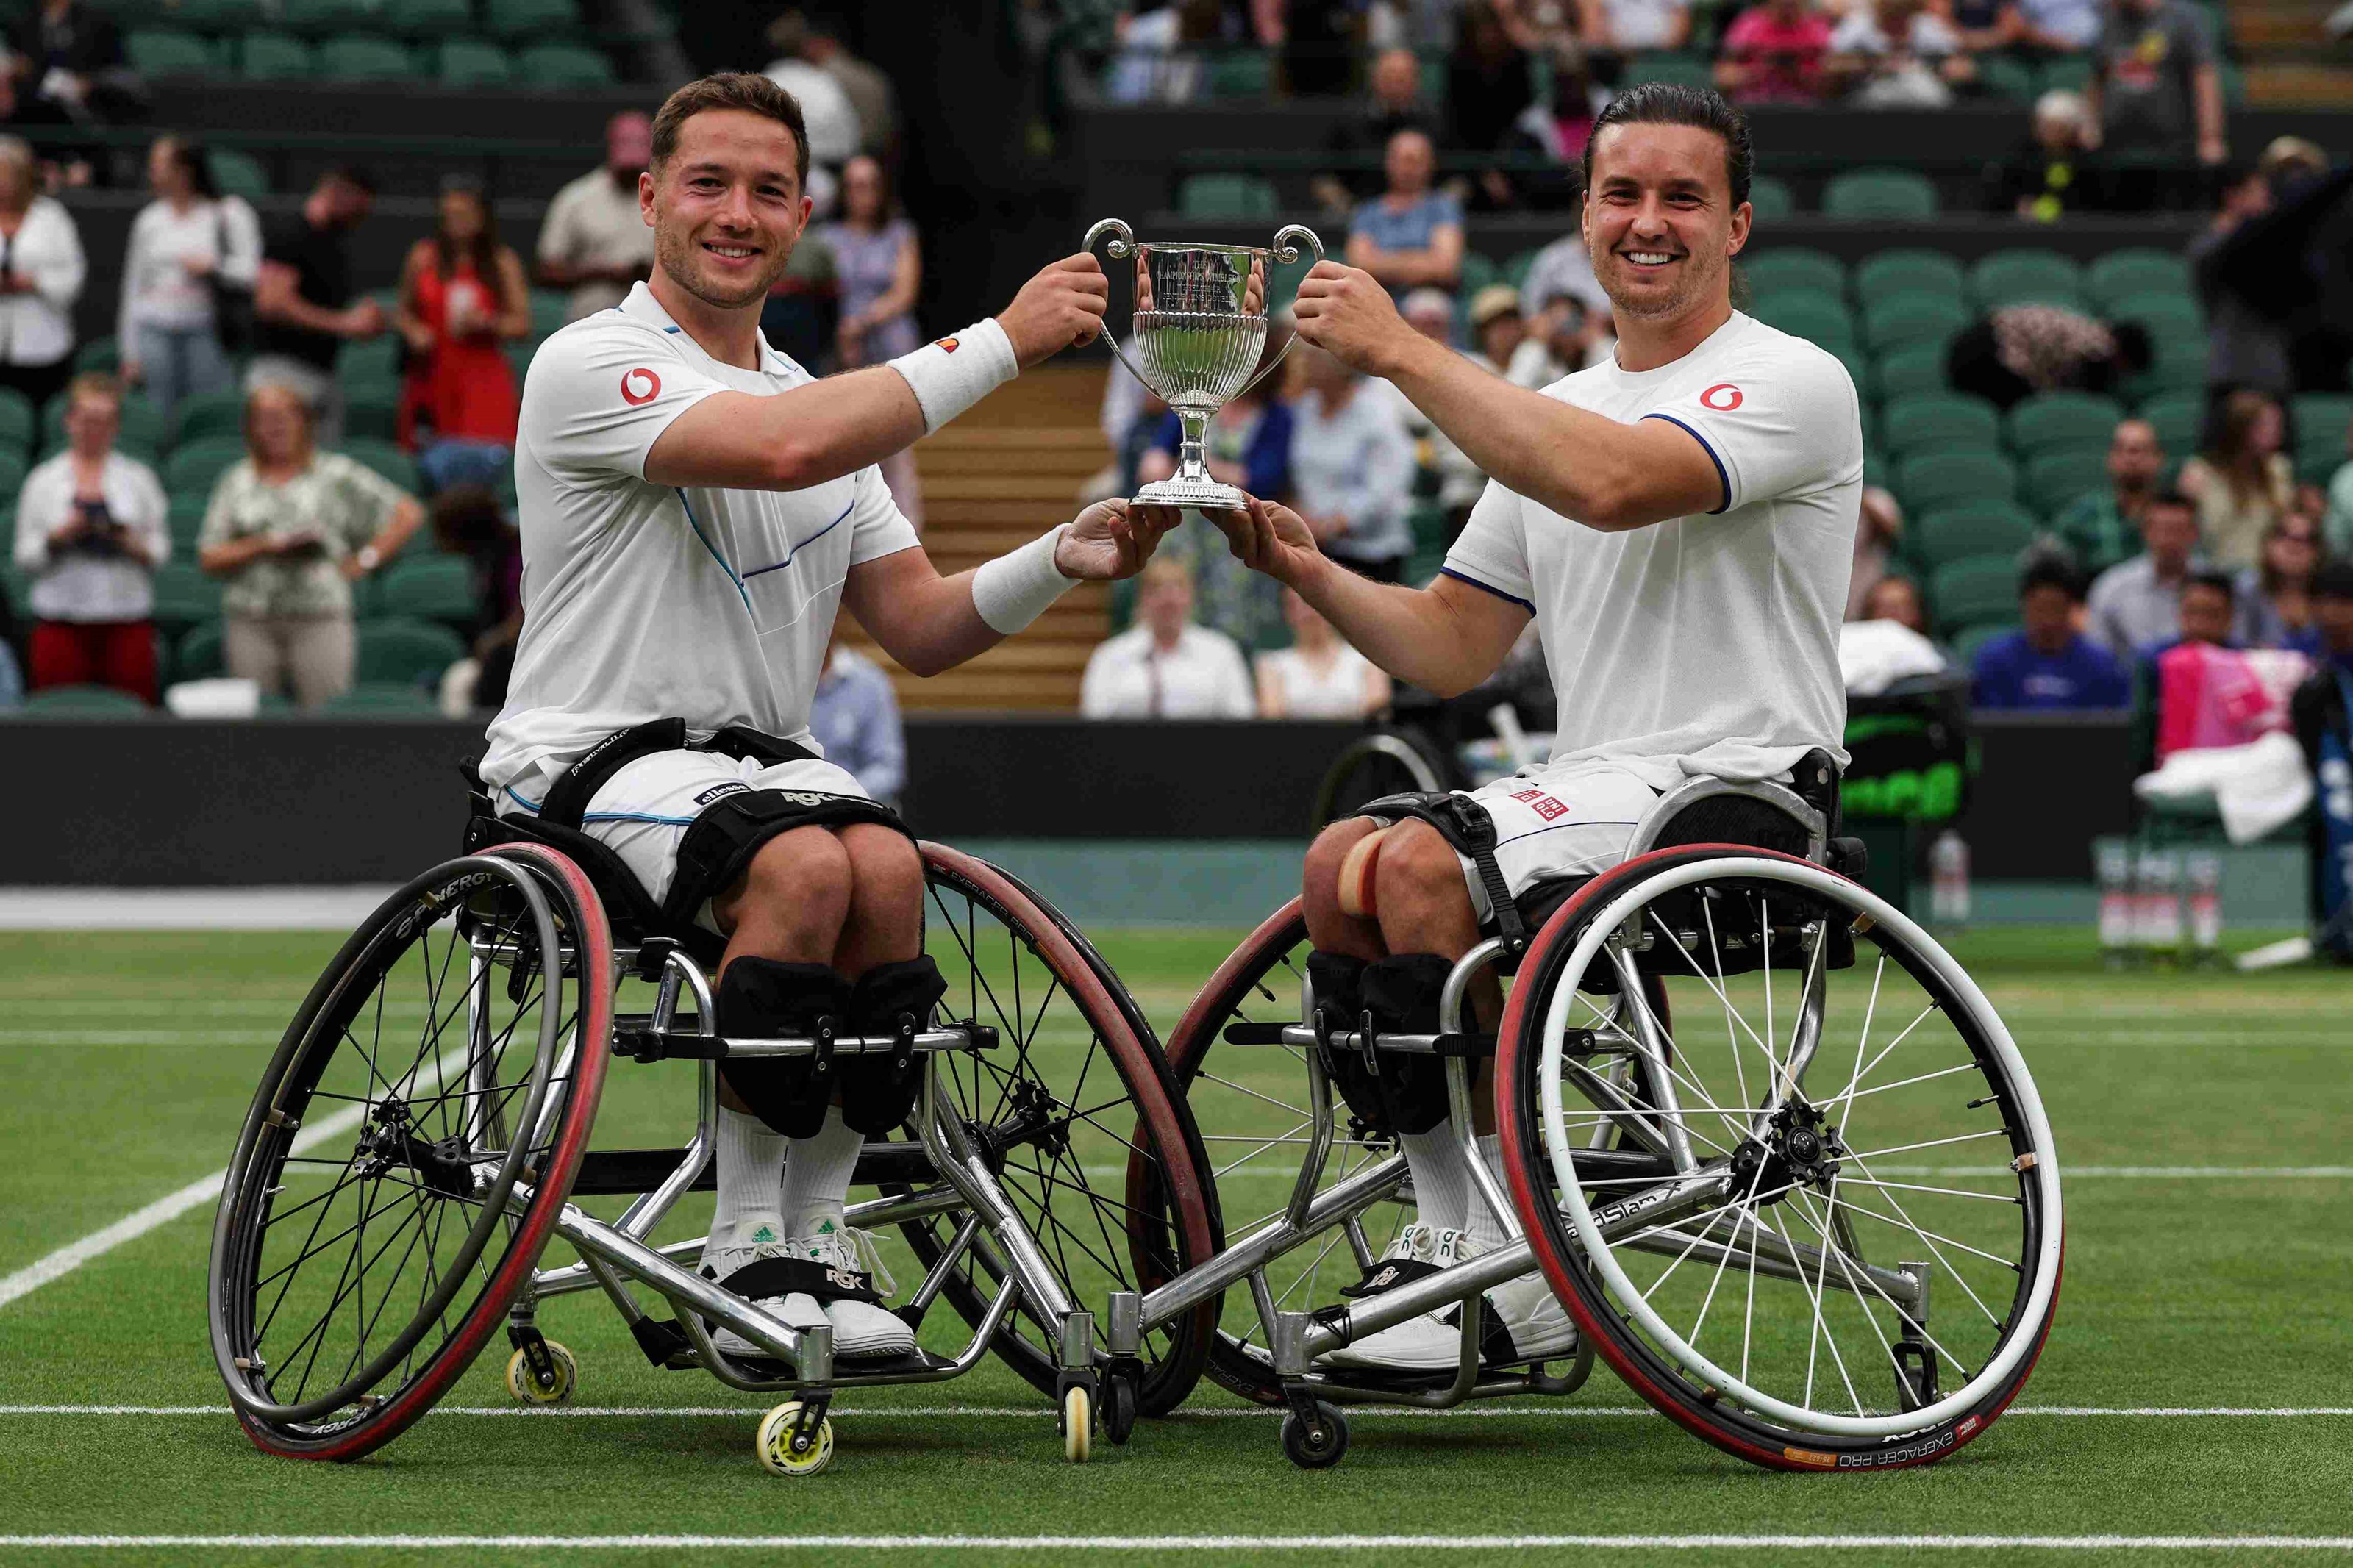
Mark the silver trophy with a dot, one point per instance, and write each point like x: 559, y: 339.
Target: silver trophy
x: 1201, y: 330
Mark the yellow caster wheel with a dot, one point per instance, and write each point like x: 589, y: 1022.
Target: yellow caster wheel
x: 774, y: 1443
x: 1078, y: 1425
x: 528, y: 1390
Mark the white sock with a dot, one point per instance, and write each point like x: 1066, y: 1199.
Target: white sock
x: 1485, y: 1230
x: 1441, y: 1179
x: 816, y: 1175
x: 751, y: 1153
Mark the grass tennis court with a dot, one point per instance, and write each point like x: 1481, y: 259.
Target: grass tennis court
x: 2201, y: 1119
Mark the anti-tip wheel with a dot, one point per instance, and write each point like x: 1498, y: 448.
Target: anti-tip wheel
x: 1119, y: 1409
x: 774, y: 1443
x: 527, y: 1388
x: 1316, y: 1447
x: 1078, y: 1424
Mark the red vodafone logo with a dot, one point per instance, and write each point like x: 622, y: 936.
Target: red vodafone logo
x: 640, y: 385
x: 1724, y: 397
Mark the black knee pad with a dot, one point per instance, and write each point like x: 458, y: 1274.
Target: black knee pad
x: 1338, y: 980
x: 879, y: 1091
x: 1401, y: 992
x: 764, y: 998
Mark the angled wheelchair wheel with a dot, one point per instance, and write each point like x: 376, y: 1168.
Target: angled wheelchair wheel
x: 1392, y: 760
x: 1075, y: 1110
x: 1827, y: 1234
x: 406, y: 1156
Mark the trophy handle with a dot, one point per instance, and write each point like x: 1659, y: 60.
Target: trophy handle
x: 1121, y: 247
x: 1286, y: 252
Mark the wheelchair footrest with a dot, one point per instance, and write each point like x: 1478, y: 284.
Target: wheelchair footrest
x: 625, y: 1173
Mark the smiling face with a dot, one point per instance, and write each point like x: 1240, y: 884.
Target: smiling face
x: 726, y: 207
x: 1660, y: 221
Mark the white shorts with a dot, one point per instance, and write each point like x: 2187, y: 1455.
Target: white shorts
x: 1557, y: 822
x: 645, y: 809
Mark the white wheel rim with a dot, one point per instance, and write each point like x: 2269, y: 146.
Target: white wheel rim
x: 1623, y: 1288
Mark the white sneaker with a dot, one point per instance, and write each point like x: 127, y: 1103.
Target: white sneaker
x: 754, y: 1237
x: 1526, y: 1308
x: 1426, y: 1343
x: 861, y: 1329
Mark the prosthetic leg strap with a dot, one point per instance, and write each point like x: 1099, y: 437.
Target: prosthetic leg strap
x: 1463, y: 823
x: 766, y: 1276
x: 567, y: 799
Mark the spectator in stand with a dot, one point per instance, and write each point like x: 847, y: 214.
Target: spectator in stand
x: 71, y: 55
x: 881, y: 268
x: 290, y: 526
x: 1318, y: 676
x: 834, y: 131
x: 1896, y: 597
x: 855, y: 717
x: 1563, y: 267
x: 1247, y: 444
x: 1627, y: 27
x: 2158, y: 92
x: 1441, y: 470
x: 2274, y: 595
x: 2047, y: 663
x: 1879, y: 527
x: 91, y: 532
x: 1555, y: 129
x: 2209, y: 610
x: 2009, y: 353
x: 1396, y: 105
x: 41, y: 272
x: 2052, y: 173
x: 1496, y: 326
x: 1488, y: 82
x: 188, y: 248
x: 462, y: 297
x: 866, y: 86
x: 1351, y: 469
x: 468, y: 521
x: 1561, y: 338
x: 1774, y: 53
x: 2139, y: 602
x: 303, y: 304
x: 2057, y: 27
x: 2271, y: 270
x: 1409, y: 234
x: 805, y: 304
x: 1164, y: 667
x: 594, y: 240
x: 2101, y: 530
x: 1898, y: 54
x: 2243, y: 483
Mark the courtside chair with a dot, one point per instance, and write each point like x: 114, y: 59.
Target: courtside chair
x: 1227, y: 197
x: 318, y: 18
x: 472, y: 62
x: 1934, y: 480
x: 164, y: 52
x: 1903, y: 320
x: 198, y: 655
x: 2055, y: 480
x: 2121, y: 274
x: 1913, y: 370
x: 426, y: 21
x: 386, y: 459
x: 18, y: 420
x: 1946, y: 421
x: 2060, y: 421
x: 430, y: 588
x: 2178, y: 419
x: 1885, y: 274
x: 2025, y: 276
x: 193, y: 468
x: 1968, y: 528
x: 1793, y: 266
x: 93, y: 699
x: 1880, y: 193
x: 185, y: 597
x: 519, y: 22
x: 1974, y: 590
x: 273, y: 56
x: 406, y: 652
x: 203, y: 415
x: 1770, y: 200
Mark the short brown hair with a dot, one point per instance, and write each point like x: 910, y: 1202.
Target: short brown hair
x: 94, y: 384
x: 747, y: 90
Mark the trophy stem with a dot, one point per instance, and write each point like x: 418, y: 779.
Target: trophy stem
x: 1192, y: 452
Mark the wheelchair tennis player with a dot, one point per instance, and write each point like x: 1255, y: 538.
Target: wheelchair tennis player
x: 1680, y: 523
x: 695, y: 511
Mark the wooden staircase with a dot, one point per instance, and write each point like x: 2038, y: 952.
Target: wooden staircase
x: 995, y: 479
x: 2291, y: 64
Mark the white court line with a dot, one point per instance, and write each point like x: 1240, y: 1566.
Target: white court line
x: 1466, y: 1413
x: 1222, y: 1544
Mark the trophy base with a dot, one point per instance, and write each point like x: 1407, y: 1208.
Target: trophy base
x: 1201, y: 494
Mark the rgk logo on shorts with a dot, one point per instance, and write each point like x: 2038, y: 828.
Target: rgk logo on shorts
x: 716, y: 790
x: 1724, y: 397
x: 639, y: 386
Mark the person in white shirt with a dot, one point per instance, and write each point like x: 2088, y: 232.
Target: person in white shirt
x: 593, y: 241
x: 1165, y: 667
x: 1318, y: 676
x: 695, y: 511
x: 185, y: 245
x: 41, y: 273
x: 1352, y: 467
x: 1679, y: 521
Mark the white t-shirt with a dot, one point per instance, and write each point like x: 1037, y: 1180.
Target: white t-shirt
x: 1703, y: 645
x: 1205, y: 677
x: 593, y: 222
x: 1336, y: 692
x: 643, y: 601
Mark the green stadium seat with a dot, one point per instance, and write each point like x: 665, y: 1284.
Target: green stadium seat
x: 562, y: 65
x: 384, y: 458
x: 548, y: 309
x: 1858, y: 370
x: 1880, y: 193
x: 206, y: 415
x: 1932, y: 479
x: 372, y: 411
x: 1807, y: 314
x: 186, y: 521
x: 1241, y: 74
x: 1903, y: 320
x: 2166, y: 316
x: 426, y: 20
x: 221, y: 16
x: 382, y: 699
x: 2006, y: 79
x: 1227, y: 197
x: 519, y: 355
x: 237, y: 173
x: 2054, y: 479
x: 472, y: 62
x: 1973, y: 591
x: 2179, y: 419
x: 1885, y: 274
x: 1793, y: 266
x: 321, y: 16
x: 2317, y: 465
x: 184, y: 595
x: 399, y: 651
x: 2319, y: 419
x: 162, y: 52
x: 95, y: 700
x: 1910, y: 372
x: 1514, y: 269
x: 196, y: 466
x: 1946, y: 421
x: 430, y: 588
x: 1770, y: 200
x: 1969, y: 640
x: 99, y: 353
x: 144, y: 433
x: 2180, y: 366
x: 1966, y: 529
x: 2026, y: 277
x: 356, y: 57
x: 2065, y: 73
x: 198, y: 655
x: 2055, y: 421
x: 1668, y: 66
x: 273, y: 56
x: 520, y: 21
x: 2121, y: 274
x: 13, y: 469
x: 369, y: 360
x: 18, y: 420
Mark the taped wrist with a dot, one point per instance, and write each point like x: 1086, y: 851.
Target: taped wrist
x: 878, y: 1092
x: 952, y: 373
x: 1020, y: 584
x: 762, y: 999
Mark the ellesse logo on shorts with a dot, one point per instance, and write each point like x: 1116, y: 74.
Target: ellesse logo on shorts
x: 639, y: 386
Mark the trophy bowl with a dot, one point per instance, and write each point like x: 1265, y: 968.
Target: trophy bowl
x: 1199, y: 331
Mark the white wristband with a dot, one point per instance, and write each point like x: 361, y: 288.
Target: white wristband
x: 1020, y: 584
x: 952, y: 374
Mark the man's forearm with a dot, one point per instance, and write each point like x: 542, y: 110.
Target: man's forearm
x: 1408, y: 632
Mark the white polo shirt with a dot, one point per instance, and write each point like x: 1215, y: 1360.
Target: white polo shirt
x: 645, y: 601
x: 1703, y: 645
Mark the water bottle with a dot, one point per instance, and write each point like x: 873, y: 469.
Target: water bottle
x: 1948, y: 879
x: 2160, y: 903
x: 2202, y: 871
x: 2113, y: 865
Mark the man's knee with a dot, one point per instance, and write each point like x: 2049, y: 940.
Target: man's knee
x: 800, y: 878
x: 886, y: 870
x: 1418, y: 873
x: 1328, y: 855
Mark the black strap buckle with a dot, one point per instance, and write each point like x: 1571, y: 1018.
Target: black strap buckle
x: 822, y: 1057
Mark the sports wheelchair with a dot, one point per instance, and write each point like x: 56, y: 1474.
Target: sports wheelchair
x: 423, y: 1131
x: 1749, y: 1115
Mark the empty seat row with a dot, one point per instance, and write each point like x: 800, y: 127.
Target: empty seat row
x: 455, y: 61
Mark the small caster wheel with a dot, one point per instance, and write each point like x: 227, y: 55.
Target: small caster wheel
x: 1078, y: 1423
x: 524, y: 1385
x: 775, y: 1442
x: 1119, y: 1409
x: 1319, y: 1447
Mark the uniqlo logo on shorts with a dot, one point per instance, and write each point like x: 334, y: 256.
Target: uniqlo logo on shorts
x: 1545, y: 806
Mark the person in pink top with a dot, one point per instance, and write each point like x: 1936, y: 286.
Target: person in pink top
x: 1773, y: 54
